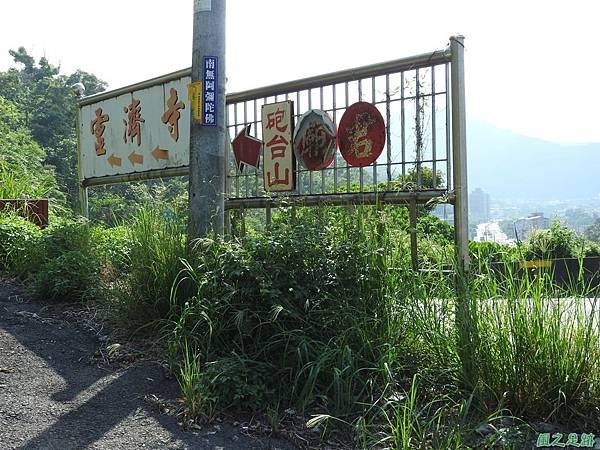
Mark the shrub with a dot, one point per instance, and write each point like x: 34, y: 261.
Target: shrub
x: 557, y: 242
x: 307, y: 304
x: 18, y: 238
x: 112, y: 246
x: 72, y: 276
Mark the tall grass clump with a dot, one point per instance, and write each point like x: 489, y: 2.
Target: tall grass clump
x: 302, y: 315
x: 156, y: 245
x: 538, y: 355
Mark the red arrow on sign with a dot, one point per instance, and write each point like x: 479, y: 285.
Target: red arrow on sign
x: 114, y: 160
x: 246, y: 149
x: 160, y: 153
x: 135, y: 158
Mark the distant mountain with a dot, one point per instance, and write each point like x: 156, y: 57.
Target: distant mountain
x: 511, y: 166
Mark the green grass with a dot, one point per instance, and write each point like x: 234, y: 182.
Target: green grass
x: 324, y: 315
x: 348, y: 332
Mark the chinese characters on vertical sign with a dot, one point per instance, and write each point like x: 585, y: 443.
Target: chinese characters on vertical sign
x: 209, y: 94
x: 97, y: 127
x: 172, y: 114
x: 278, y: 156
x: 133, y: 121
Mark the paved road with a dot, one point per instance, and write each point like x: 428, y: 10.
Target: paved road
x: 54, y: 394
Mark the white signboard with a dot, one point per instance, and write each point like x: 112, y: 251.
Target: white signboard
x: 137, y: 131
x: 278, y: 154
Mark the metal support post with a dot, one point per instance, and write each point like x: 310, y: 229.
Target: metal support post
x: 207, y: 150
x: 268, y: 216
x: 413, y: 235
x: 83, y: 199
x: 459, y: 146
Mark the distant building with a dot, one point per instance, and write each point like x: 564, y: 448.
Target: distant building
x: 525, y: 226
x: 479, y: 206
x: 444, y: 212
x: 491, y: 232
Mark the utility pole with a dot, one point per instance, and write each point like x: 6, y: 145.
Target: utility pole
x: 207, y: 149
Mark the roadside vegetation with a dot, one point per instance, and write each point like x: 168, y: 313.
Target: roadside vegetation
x: 323, y: 315
x: 320, y: 316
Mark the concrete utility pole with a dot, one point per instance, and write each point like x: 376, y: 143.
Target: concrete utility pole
x: 207, y: 150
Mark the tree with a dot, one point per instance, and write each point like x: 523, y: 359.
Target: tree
x: 22, y: 168
x: 593, y: 231
x: 48, y: 106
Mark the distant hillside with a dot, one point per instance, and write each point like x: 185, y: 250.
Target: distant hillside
x: 511, y: 166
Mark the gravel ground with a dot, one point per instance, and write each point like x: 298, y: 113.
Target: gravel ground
x: 55, y: 393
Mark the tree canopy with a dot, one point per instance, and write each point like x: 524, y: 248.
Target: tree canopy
x: 37, y: 121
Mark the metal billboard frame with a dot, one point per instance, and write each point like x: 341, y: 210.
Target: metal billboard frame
x: 455, y: 191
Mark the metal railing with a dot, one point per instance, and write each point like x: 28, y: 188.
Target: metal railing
x: 412, y: 95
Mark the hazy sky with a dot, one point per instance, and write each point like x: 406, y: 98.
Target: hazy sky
x: 531, y: 66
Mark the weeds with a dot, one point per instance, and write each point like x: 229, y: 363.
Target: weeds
x: 324, y: 315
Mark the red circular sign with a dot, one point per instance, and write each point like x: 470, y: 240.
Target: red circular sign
x: 361, y: 134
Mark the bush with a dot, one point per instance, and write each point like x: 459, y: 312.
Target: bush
x: 557, y: 242
x: 72, y: 276
x: 113, y: 247
x: 307, y: 304
x: 18, y: 238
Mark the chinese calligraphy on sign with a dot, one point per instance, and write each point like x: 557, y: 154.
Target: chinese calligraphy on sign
x: 314, y: 140
x: 133, y: 121
x: 361, y: 134
x: 209, y: 94
x: 141, y: 130
x: 172, y: 114
x: 278, y: 156
x: 97, y: 127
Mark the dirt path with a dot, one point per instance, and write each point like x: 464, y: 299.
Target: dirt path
x: 54, y: 394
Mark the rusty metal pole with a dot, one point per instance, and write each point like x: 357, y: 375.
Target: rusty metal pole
x: 207, y: 150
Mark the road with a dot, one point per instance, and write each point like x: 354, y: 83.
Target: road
x: 55, y: 393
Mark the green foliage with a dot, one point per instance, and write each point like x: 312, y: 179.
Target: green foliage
x: 155, y: 246
x: 112, y: 246
x: 62, y: 262
x: 536, y: 355
x: 22, y: 171
x: 72, y: 276
x: 323, y: 314
x: 483, y: 254
x: 557, y: 242
x: 119, y: 203
x: 592, y: 232
x: 305, y: 303
x: 65, y: 266
x: 17, y: 238
x: 44, y: 107
x: 435, y: 229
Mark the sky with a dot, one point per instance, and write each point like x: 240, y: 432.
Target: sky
x: 531, y: 66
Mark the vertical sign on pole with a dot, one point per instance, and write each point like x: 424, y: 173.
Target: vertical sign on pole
x: 207, y: 139
x: 209, y: 91
x: 278, y: 155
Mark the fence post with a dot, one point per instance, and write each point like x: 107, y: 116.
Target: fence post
x: 413, y: 234
x: 464, y: 311
x: 459, y: 153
